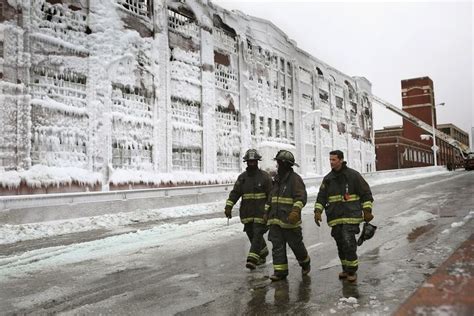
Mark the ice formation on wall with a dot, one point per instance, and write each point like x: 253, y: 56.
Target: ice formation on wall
x: 151, y: 88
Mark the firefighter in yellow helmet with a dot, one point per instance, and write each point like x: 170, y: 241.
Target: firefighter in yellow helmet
x: 283, y: 211
x: 347, y: 198
x: 253, y: 187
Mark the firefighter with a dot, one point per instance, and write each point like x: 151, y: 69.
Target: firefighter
x: 253, y: 186
x: 283, y: 211
x: 347, y: 198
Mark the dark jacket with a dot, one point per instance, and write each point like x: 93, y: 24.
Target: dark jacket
x: 253, y: 187
x: 288, y: 192
x: 344, y: 194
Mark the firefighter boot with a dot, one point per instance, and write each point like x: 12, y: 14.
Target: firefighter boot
x: 343, y: 275
x: 277, y: 277
x: 263, y: 257
x: 250, y: 265
x: 352, y: 277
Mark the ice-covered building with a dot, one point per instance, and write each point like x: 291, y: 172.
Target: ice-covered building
x: 162, y: 87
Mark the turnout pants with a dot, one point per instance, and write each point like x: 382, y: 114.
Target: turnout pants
x: 294, y: 238
x: 258, y: 247
x: 344, y: 234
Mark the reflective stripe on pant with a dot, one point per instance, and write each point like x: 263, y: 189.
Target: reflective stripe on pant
x: 344, y: 234
x: 294, y: 238
x: 258, y: 246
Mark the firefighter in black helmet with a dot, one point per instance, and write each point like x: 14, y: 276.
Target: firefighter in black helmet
x: 253, y: 186
x: 347, y: 198
x: 283, y: 210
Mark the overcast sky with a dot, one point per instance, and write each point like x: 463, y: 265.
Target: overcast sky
x: 386, y: 42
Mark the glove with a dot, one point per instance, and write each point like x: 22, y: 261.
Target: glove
x: 265, y: 217
x: 317, y: 217
x: 368, y: 215
x: 228, y: 211
x: 294, y: 216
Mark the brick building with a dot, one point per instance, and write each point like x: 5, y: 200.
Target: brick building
x: 402, y: 146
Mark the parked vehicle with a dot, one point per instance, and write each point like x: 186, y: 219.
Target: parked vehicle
x: 469, y: 161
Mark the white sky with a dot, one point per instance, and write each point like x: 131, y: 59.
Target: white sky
x: 386, y: 42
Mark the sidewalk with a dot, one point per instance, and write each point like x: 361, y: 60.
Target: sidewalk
x: 449, y: 291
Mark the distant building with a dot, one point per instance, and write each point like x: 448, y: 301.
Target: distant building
x: 162, y: 87
x: 455, y: 132
x: 403, y: 146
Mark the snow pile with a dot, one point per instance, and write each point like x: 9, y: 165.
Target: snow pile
x: 442, y: 310
x: 461, y: 270
x: 461, y: 223
x: 40, y: 175
x: 179, y: 177
x: 347, y: 303
x: 400, y: 178
x: 14, y: 233
x: 373, y: 301
x: 169, y: 237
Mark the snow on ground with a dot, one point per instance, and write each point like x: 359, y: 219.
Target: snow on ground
x: 399, y: 178
x: 169, y: 237
x: 459, y: 224
x: 14, y: 233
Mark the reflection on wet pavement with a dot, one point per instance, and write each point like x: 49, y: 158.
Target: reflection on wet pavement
x: 350, y: 289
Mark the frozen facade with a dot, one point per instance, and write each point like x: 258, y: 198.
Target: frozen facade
x: 154, y: 90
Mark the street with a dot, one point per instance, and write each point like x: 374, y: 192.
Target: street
x: 196, y: 265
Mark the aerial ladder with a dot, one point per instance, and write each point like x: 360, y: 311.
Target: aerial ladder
x: 463, y: 149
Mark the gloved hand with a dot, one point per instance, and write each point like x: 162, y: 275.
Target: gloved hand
x: 265, y: 217
x: 317, y: 217
x: 368, y: 214
x: 228, y: 211
x: 294, y: 216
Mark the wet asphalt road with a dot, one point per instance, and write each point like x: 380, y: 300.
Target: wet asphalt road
x: 213, y: 280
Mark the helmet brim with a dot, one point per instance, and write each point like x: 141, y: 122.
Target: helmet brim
x: 291, y: 163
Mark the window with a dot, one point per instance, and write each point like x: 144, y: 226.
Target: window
x: 182, y: 24
x: 270, y: 129
x: 283, y: 93
x: 187, y: 159
x: 261, y: 125
x: 305, y: 76
x: 291, y: 131
x: 283, y: 129
x: 320, y: 73
x: 138, y: 7
x: 277, y: 128
x: 353, y: 108
x: 226, y: 78
x: 253, y: 129
x: 323, y: 95
x: 339, y: 102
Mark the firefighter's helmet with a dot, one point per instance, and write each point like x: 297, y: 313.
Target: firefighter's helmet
x: 368, y: 232
x: 252, y: 154
x: 285, y: 155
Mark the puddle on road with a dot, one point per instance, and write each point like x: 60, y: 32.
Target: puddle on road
x: 418, y: 231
